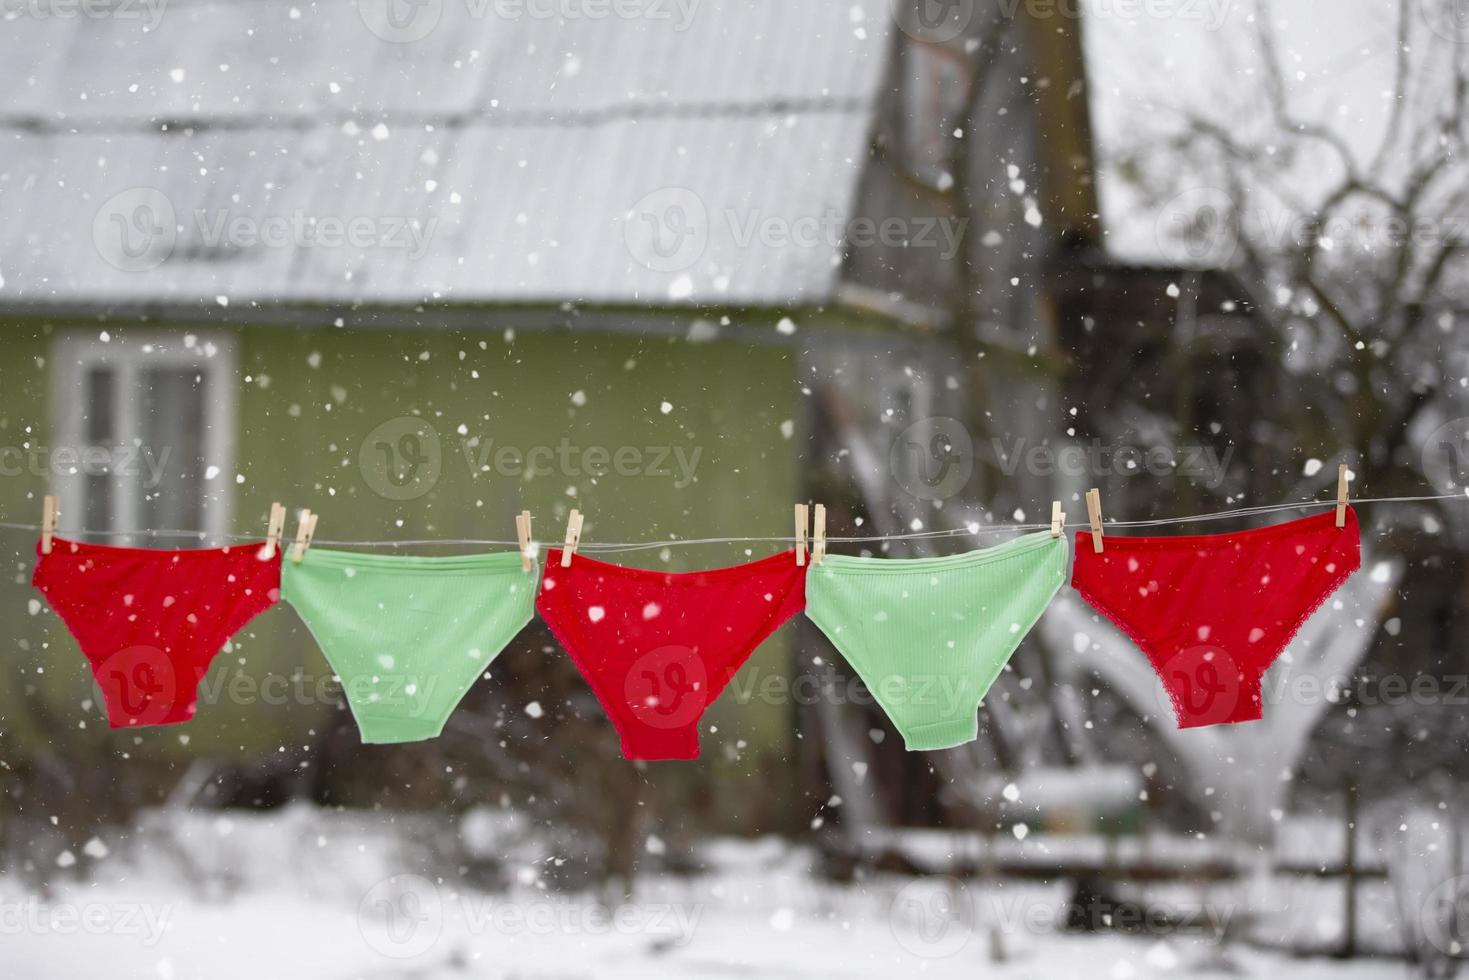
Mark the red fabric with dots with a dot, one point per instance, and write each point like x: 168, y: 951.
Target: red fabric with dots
x: 150, y: 622
x: 1213, y: 611
x: 658, y: 647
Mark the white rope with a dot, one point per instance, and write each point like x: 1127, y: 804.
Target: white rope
x: 621, y: 546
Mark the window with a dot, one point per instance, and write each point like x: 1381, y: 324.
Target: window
x: 145, y: 435
x: 935, y: 101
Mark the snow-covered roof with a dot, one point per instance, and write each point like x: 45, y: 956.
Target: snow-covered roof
x: 392, y: 151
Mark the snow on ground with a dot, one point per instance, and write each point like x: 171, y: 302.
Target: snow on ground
x: 307, y: 893
x: 277, y: 936
x: 336, y: 911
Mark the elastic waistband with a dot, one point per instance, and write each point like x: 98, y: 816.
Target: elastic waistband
x: 850, y: 565
x: 784, y: 558
x: 499, y: 561
x: 1316, y: 523
x: 65, y: 547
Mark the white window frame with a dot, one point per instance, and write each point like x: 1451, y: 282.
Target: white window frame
x: 74, y: 355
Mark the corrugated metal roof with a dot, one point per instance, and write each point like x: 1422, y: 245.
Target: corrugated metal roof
x: 706, y: 159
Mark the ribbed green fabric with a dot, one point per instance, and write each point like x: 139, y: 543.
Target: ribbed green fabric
x: 407, y: 635
x: 928, y: 636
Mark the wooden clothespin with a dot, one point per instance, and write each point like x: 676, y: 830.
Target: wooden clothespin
x: 1341, y: 495
x: 1057, y: 518
x: 818, y: 535
x: 801, y: 525
x: 522, y: 532
x: 50, y: 508
x: 274, y: 530
x: 305, y: 531
x: 573, y: 537
x: 1094, y: 514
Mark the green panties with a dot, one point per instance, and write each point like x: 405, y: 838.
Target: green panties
x: 928, y: 636
x: 408, y: 636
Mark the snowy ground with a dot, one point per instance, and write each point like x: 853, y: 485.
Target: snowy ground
x: 266, y: 935
x: 301, y: 894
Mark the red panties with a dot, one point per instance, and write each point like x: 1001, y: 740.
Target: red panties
x: 1213, y: 611
x: 658, y: 647
x: 150, y: 622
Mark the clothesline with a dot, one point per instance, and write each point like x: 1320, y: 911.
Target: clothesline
x: 408, y: 634
x: 623, y: 546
